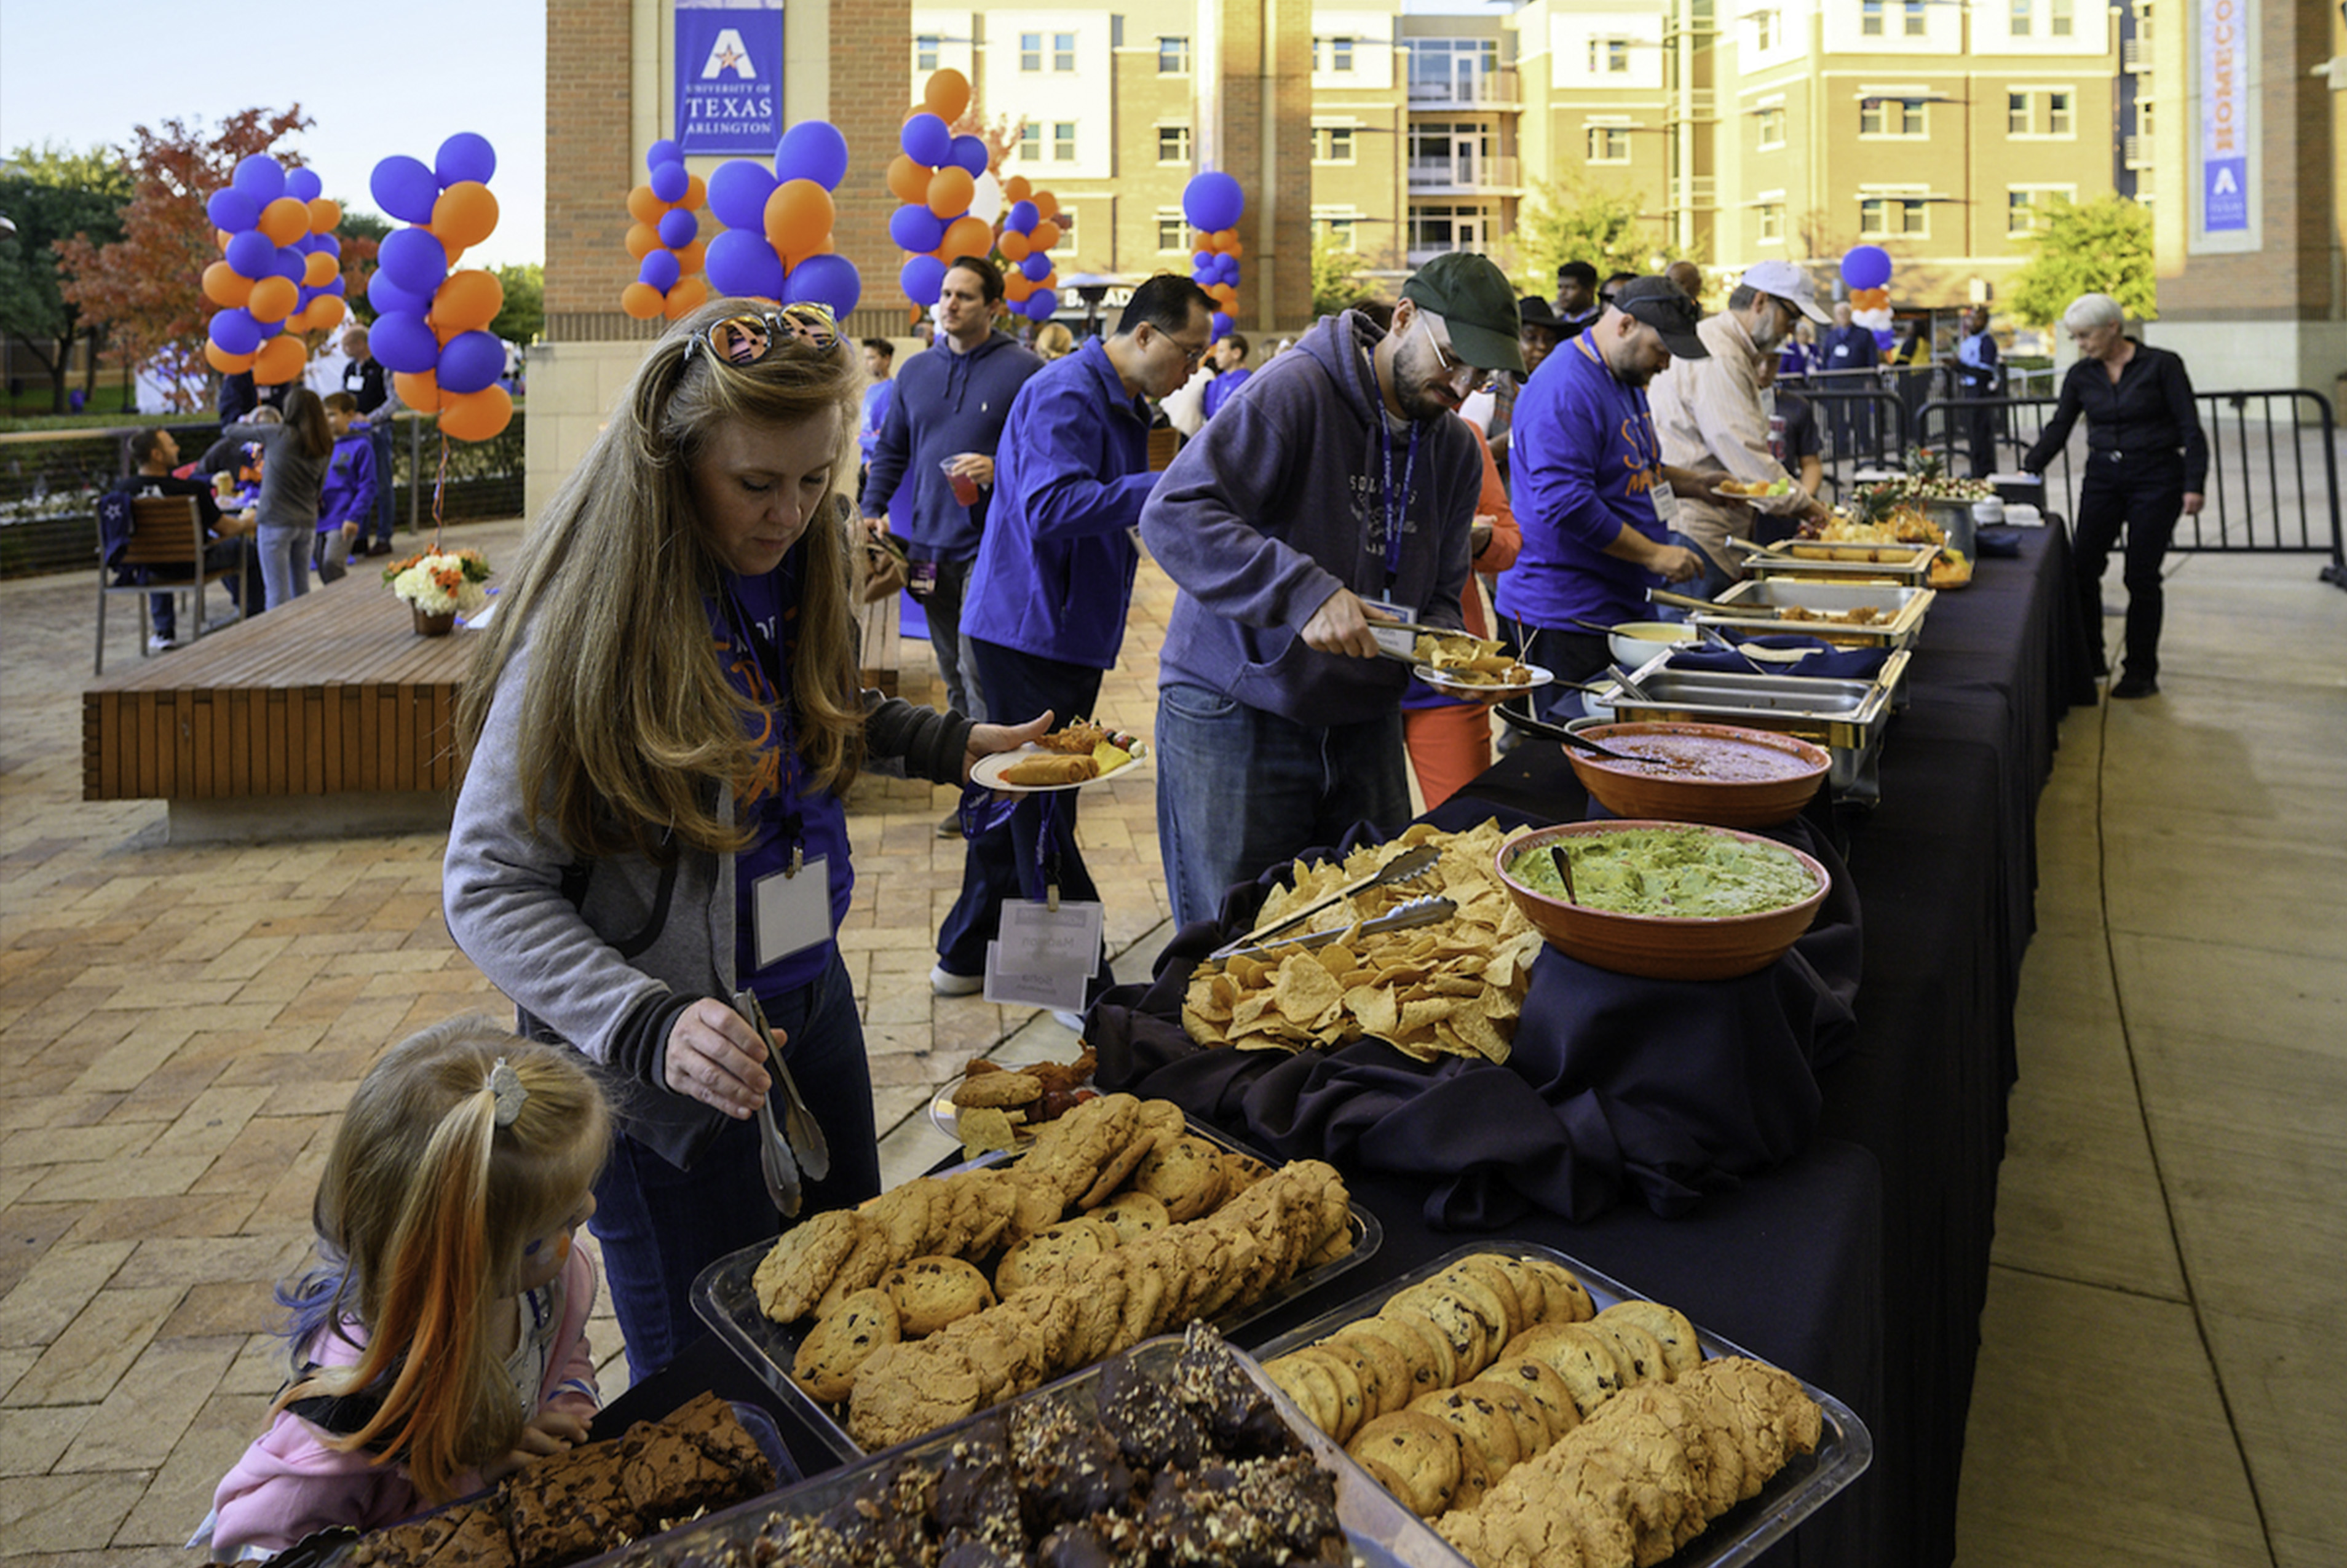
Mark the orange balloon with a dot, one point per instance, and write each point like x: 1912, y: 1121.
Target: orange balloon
x: 688, y: 295
x: 225, y: 286
x: 1224, y: 239
x: 1014, y: 245
x: 326, y: 312
x: 692, y: 258
x: 696, y: 193
x: 1045, y: 235
x: 272, y: 298
x: 1017, y: 188
x: 325, y: 214
x: 907, y: 180
x: 640, y: 301
x: 225, y: 362
x: 643, y: 240
x: 318, y: 269
x: 798, y: 217
x: 947, y: 94
x: 970, y: 235
x: 466, y: 214
x: 281, y: 359
x: 1015, y: 286
x: 951, y: 188
x: 1235, y: 249
x: 475, y: 415
x: 221, y: 237
x: 284, y: 220
x: 644, y: 206
x: 1046, y: 204
x: 468, y: 301
x: 420, y: 390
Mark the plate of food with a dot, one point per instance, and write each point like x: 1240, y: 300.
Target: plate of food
x: 1082, y: 754
x: 1473, y: 667
x: 995, y: 1105
x: 1754, y: 490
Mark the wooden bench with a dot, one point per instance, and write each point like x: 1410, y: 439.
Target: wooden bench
x: 332, y: 700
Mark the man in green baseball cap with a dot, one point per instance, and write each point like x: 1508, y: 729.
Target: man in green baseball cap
x: 1477, y: 305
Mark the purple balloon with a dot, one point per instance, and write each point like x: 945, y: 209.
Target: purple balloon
x: 252, y: 256
x: 1213, y: 201
x: 921, y: 278
x: 290, y: 264
x: 231, y: 210
x: 389, y: 298
x: 327, y: 243
x: 661, y: 270
x: 926, y: 140
x: 470, y: 361
x: 1201, y: 261
x: 1866, y: 267
x: 1041, y: 303
x: 413, y: 260
x: 740, y: 262
x: 915, y: 228
x: 304, y: 185
x: 813, y: 149
x: 969, y: 152
x: 664, y: 150
x: 738, y: 193
x: 1023, y: 217
x: 338, y: 286
x: 677, y: 227
x: 467, y: 155
x: 1037, y: 266
x: 404, y: 189
x: 261, y: 176
x: 235, y: 331
x: 1221, y: 325
x: 670, y: 182
x: 829, y: 280
x: 404, y: 343
x: 1229, y: 267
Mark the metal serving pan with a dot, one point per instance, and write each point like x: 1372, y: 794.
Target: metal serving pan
x: 1753, y: 608
x: 726, y: 1298
x: 1845, y: 1448
x: 1847, y: 718
x: 1823, y: 561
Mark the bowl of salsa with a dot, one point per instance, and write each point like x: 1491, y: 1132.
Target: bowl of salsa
x: 1719, y: 774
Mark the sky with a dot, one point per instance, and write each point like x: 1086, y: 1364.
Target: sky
x: 377, y: 79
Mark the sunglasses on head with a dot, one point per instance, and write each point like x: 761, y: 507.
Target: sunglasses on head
x: 745, y: 340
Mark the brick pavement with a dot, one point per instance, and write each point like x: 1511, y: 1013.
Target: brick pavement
x: 180, y: 1025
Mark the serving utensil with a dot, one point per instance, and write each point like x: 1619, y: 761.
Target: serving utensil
x: 1563, y: 864
x: 1422, y: 911
x: 1415, y: 861
x: 799, y: 1142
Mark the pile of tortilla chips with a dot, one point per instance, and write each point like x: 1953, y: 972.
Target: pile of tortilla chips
x: 1469, y: 661
x: 1450, y: 989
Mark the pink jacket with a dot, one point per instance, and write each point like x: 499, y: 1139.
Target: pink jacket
x: 289, y: 1484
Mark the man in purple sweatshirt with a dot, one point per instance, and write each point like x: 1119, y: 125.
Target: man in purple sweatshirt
x: 1340, y: 481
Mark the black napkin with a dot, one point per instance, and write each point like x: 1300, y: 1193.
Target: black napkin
x: 1819, y: 658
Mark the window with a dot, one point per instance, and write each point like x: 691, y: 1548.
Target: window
x: 2143, y: 25
x: 1914, y: 18
x: 2044, y: 113
x: 1340, y: 231
x: 1609, y: 57
x: 1067, y: 222
x: 1173, y: 55
x: 2057, y: 114
x: 1063, y: 142
x: 1433, y: 228
x: 1030, y: 142
x: 2026, y: 206
x: 1891, y: 117
x: 1064, y: 51
x: 2016, y: 114
x: 1173, y: 231
x: 1609, y: 144
x: 1172, y: 144
x: 2061, y: 18
x: 1332, y: 55
x: 1869, y: 19
x: 1332, y: 144
x: 1765, y: 28
x: 1772, y: 125
x: 2146, y: 119
x: 1772, y: 222
x: 1030, y: 51
x: 925, y: 51
x: 1891, y: 217
x: 2021, y: 18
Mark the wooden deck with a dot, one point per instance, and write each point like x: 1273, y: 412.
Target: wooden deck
x: 331, y: 694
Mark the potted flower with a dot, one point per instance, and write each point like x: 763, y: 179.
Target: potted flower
x: 439, y: 585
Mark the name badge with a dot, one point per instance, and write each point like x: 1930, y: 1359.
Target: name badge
x: 1046, y: 956
x: 793, y: 909
x: 921, y: 578
x: 1666, y: 503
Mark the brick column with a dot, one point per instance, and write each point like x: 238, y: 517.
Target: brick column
x: 1265, y: 65
x: 871, y: 56
x: 589, y: 169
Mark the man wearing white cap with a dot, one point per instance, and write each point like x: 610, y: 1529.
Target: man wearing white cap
x: 1711, y: 414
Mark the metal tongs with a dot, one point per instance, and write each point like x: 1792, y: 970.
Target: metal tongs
x: 1423, y: 911
x: 1415, y: 861
x: 798, y: 1144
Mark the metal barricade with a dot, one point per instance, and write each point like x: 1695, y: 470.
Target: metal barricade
x: 1860, y: 424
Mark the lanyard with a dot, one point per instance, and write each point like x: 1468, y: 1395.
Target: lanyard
x: 793, y: 824
x: 1397, y: 503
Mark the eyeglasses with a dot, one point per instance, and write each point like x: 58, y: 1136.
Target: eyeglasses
x: 745, y: 340
x: 1452, y: 367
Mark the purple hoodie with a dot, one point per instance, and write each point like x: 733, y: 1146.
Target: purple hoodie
x: 1279, y: 502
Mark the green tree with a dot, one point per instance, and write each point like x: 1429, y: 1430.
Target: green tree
x: 2098, y: 247
x: 361, y: 233
x: 1575, y: 219
x: 1335, y: 274
x: 523, y: 316
x: 50, y: 194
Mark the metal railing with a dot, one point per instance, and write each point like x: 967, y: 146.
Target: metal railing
x: 1486, y: 172
x: 1496, y: 88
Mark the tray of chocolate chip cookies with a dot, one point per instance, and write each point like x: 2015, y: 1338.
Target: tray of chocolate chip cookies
x: 952, y: 1293
x: 1521, y: 1403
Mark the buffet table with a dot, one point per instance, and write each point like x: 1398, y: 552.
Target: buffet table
x: 1859, y: 1263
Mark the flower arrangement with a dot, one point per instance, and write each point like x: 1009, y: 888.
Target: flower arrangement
x: 438, y: 582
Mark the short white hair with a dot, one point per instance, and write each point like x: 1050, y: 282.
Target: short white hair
x: 2090, y: 311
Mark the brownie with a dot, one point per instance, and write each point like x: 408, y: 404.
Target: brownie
x: 1151, y: 1426
x: 974, y: 1495
x: 1066, y: 1466
x: 569, y: 1506
x: 1075, y: 1546
x: 1237, y: 1412
x: 479, y: 1541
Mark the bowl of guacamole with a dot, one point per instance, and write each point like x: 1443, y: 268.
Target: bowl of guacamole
x: 1667, y: 900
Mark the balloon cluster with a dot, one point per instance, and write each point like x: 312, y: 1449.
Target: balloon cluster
x: 1030, y: 229
x: 1212, y: 202
x: 1867, y: 270
x: 431, y: 328
x: 950, y: 200
x: 776, y: 241
x: 665, y: 237
x: 280, y: 273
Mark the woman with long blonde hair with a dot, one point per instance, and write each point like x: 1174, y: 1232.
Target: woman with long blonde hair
x: 442, y: 1342
x: 662, y: 721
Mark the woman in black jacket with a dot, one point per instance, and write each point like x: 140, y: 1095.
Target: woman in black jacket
x: 2146, y: 460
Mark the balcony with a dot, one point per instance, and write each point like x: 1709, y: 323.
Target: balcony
x: 2136, y: 152
x: 1470, y: 89
x: 2133, y: 57
x: 1462, y: 176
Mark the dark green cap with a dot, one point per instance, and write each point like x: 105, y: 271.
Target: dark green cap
x: 1476, y: 302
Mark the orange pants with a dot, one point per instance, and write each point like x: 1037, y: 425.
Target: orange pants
x: 1448, y: 746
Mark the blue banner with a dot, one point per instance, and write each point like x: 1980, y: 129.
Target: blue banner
x: 729, y: 81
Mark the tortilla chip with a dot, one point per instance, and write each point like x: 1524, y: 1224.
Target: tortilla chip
x: 983, y: 1130
x: 1305, y: 990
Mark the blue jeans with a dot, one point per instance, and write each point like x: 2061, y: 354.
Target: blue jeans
x: 245, y: 591
x: 1240, y: 790
x: 1019, y: 685
x: 285, y: 561
x: 379, y: 437
x: 1714, y: 581
x: 661, y: 1227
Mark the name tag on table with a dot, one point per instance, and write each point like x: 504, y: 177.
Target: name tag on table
x: 1666, y: 503
x: 793, y: 909
x: 1044, y: 958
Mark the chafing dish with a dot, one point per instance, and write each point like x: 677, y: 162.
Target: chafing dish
x: 1844, y: 561
x: 1752, y: 608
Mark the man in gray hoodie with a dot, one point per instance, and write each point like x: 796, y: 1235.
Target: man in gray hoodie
x: 1339, y: 491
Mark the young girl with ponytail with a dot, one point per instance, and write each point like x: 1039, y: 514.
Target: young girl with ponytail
x: 441, y: 1344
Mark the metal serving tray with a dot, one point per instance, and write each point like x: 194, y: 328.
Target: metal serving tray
x: 1822, y: 561
x: 725, y: 1297
x: 1845, y: 1448
x: 1752, y: 608
x: 1846, y: 717
x: 1381, y: 1532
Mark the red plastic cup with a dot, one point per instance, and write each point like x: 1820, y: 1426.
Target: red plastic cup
x: 965, y: 488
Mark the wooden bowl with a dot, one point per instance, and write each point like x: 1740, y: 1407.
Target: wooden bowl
x: 1661, y: 947
x: 1789, y: 771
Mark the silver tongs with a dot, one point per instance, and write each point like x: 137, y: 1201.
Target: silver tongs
x: 1423, y: 911
x: 798, y: 1144
x: 1415, y: 861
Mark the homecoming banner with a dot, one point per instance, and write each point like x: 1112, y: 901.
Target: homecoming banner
x: 729, y: 79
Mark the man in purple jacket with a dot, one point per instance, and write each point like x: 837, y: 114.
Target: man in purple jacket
x: 1053, y: 579
x: 1340, y: 483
